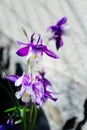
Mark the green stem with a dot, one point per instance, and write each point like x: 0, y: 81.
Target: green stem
x: 24, y: 118
x: 31, y: 112
x: 33, y: 120
x: 25, y: 33
x: 30, y: 66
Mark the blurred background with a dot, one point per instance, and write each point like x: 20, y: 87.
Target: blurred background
x: 69, y: 73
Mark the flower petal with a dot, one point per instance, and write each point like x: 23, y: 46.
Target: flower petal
x: 61, y: 42
x: 47, y: 82
x: 47, y: 94
x: 18, y: 94
x: 62, y: 21
x: 39, y: 38
x: 22, y: 43
x: 32, y: 38
x: 38, y: 100
x: 12, y: 78
x: 23, y: 51
x: 51, y: 53
x: 26, y: 97
x: 26, y: 78
x: 19, y: 81
x: 53, y: 28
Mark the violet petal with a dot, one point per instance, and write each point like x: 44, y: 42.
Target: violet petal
x: 62, y: 21
x: 12, y: 78
x: 23, y: 51
x: 47, y: 82
x: 61, y: 42
x: 51, y: 53
x: 22, y: 43
x: 50, y: 97
x: 53, y: 28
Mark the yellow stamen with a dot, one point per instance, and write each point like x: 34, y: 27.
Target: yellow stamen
x: 35, y: 56
x: 26, y: 94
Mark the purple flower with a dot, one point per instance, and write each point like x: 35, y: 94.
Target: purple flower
x: 47, y: 86
x: 35, y: 49
x: 26, y: 92
x: 58, y: 31
x: 34, y: 88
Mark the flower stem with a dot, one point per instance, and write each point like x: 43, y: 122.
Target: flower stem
x: 24, y: 120
x: 33, y: 117
x: 24, y: 117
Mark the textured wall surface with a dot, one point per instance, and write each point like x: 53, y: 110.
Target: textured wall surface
x: 69, y: 73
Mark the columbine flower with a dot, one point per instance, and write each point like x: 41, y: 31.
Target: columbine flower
x: 34, y: 50
x: 26, y: 92
x: 34, y: 88
x: 58, y: 31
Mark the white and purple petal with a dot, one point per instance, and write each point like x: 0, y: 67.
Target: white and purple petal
x: 25, y: 98
x: 19, y: 81
x: 48, y: 95
x: 26, y: 79
x: 20, y: 93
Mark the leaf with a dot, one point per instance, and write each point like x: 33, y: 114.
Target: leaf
x: 10, y: 109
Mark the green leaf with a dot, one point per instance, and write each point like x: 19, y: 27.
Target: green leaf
x: 10, y: 109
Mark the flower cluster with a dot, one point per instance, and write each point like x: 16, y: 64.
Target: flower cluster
x: 35, y: 87
x: 32, y: 88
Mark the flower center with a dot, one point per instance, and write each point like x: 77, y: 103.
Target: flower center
x: 35, y: 56
x: 26, y: 95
